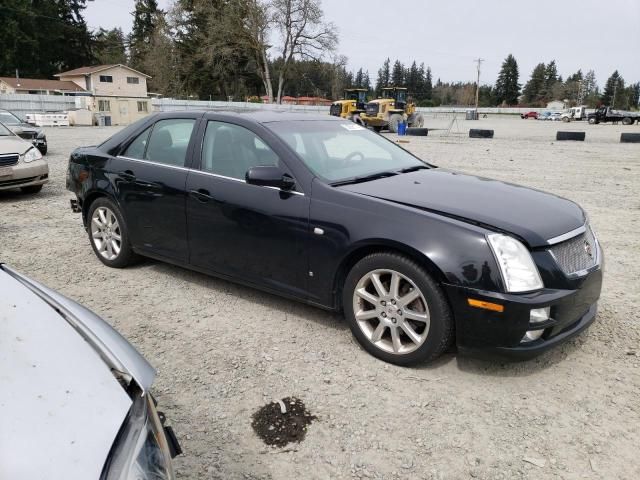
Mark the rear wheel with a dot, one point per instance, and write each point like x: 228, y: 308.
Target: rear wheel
x: 394, y: 121
x: 396, y: 310
x: 108, y: 234
x: 627, y: 121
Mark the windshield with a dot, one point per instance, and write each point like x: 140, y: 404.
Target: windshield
x: 4, y: 131
x: 402, y: 96
x: 9, y: 118
x: 339, y: 151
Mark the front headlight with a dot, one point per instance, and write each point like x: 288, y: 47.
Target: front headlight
x: 518, y: 271
x: 31, y: 155
x: 141, y: 451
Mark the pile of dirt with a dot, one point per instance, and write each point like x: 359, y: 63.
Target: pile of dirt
x: 279, y: 429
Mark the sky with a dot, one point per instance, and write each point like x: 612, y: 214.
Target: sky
x: 448, y: 35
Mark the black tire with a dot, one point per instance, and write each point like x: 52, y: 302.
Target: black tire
x: 576, y: 136
x: 441, y: 328
x: 630, y: 138
x: 394, y: 121
x: 126, y: 256
x: 478, y: 133
x: 566, y: 119
x: 43, y: 149
x: 377, y: 129
x: 417, y: 131
x: 31, y: 189
x: 627, y: 121
x: 592, y: 121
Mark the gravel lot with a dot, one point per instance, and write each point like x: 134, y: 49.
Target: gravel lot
x: 222, y: 350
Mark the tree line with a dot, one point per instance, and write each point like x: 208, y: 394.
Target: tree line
x: 222, y: 49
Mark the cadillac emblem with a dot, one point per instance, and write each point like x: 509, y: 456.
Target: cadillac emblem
x: 588, y: 249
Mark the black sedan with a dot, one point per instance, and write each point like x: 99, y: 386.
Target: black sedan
x: 327, y: 212
x: 25, y: 130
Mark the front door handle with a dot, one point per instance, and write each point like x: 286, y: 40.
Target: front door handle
x: 201, y: 195
x: 127, y: 175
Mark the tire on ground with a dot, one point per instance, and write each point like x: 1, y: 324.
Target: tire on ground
x: 577, y: 136
x: 417, y: 132
x: 630, y: 138
x: 441, y: 329
x: 479, y: 133
x: 394, y: 121
x: 627, y: 121
x: 126, y: 255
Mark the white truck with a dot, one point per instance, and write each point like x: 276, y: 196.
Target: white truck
x: 574, y: 113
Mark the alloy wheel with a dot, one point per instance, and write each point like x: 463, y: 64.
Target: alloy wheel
x: 106, y: 233
x: 391, y: 311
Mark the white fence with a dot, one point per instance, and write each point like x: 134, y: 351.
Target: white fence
x: 23, y: 104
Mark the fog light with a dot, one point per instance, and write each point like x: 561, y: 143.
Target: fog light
x: 531, y: 336
x: 539, y: 315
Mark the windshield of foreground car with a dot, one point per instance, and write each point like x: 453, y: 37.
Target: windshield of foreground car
x: 342, y: 151
x: 4, y: 131
x: 9, y: 119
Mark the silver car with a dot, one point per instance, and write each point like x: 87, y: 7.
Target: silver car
x: 74, y: 394
x: 21, y: 164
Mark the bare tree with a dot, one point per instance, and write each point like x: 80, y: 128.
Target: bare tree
x: 258, y: 22
x: 303, y: 33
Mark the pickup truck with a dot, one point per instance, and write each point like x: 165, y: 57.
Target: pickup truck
x: 607, y: 114
x: 529, y: 115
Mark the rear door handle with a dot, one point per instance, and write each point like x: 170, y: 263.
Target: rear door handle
x: 201, y: 195
x: 127, y: 175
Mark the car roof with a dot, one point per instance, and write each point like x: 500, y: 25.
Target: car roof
x: 262, y: 116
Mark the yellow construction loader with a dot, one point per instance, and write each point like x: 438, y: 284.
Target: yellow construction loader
x: 352, y: 106
x: 392, y: 109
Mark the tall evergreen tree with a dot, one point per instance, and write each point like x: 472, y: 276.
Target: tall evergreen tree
x: 428, y: 83
x: 109, y: 46
x: 143, y: 28
x: 507, y: 87
x: 533, y: 89
x: 550, y: 79
x: 634, y: 95
x: 614, y: 86
x: 397, y: 75
x: 384, y: 76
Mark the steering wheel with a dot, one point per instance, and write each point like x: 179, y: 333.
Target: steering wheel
x: 353, y: 157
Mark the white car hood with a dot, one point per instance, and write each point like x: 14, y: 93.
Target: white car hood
x: 60, y: 405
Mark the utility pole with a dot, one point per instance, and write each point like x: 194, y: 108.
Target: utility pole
x: 479, y: 62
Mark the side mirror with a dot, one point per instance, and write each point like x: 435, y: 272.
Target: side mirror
x: 269, y: 176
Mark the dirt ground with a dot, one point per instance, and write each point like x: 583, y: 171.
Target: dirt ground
x: 222, y: 351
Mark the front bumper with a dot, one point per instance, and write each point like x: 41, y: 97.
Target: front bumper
x: 501, y: 333
x: 374, y: 121
x: 26, y: 174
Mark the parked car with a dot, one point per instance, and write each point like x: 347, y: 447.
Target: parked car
x: 544, y: 116
x: 25, y: 130
x: 327, y: 212
x: 555, y: 116
x: 75, y: 395
x: 21, y: 164
x: 527, y: 115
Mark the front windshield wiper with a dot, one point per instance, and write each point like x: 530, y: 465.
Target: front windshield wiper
x: 364, y: 178
x: 413, y: 169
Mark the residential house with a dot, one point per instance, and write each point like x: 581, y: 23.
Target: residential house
x: 118, y: 92
x: 35, y: 86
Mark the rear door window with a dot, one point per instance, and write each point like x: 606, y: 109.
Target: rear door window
x: 169, y: 141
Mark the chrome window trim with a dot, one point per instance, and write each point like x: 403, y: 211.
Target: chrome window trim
x: 201, y: 172
x: 568, y: 235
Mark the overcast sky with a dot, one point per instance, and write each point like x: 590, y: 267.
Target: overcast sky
x: 448, y: 35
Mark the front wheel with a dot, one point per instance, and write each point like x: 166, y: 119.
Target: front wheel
x: 396, y: 310
x: 592, y: 121
x: 394, y: 121
x: 108, y: 234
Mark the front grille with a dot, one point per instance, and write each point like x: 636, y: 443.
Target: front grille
x: 20, y: 181
x: 371, y: 109
x: 8, y: 160
x: 577, y: 254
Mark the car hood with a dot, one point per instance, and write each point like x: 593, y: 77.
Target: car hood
x: 12, y: 144
x: 24, y: 127
x: 62, y: 406
x: 533, y: 215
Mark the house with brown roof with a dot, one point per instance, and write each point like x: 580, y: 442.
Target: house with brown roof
x: 118, y: 92
x: 35, y: 86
